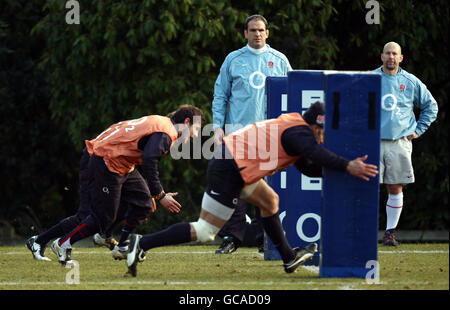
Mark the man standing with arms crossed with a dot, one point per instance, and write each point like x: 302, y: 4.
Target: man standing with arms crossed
x: 401, y: 92
x: 240, y: 86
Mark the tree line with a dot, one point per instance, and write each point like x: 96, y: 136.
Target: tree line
x: 63, y: 83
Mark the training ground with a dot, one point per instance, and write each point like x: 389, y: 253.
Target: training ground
x: 415, y: 266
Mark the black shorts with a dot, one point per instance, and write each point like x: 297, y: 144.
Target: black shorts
x: 224, y: 181
x: 108, y: 190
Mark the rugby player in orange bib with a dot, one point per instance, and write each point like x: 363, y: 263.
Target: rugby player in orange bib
x: 246, y: 157
x: 113, y: 177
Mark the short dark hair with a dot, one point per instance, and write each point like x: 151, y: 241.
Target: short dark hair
x: 186, y: 111
x: 255, y: 17
x: 315, y: 115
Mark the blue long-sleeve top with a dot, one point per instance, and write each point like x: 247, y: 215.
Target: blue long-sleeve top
x: 239, y: 91
x: 399, y: 94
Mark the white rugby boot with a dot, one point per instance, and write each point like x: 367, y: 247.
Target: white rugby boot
x: 36, y: 249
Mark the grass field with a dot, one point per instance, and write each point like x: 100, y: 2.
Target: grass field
x: 407, y: 267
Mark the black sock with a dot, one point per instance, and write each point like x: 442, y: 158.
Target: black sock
x: 127, y: 229
x: 274, y: 229
x: 175, y: 234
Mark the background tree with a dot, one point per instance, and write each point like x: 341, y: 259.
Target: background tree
x: 61, y: 84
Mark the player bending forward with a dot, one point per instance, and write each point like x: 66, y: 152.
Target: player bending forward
x: 238, y: 172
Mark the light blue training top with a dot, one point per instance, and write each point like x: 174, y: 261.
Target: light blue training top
x: 241, y: 85
x: 399, y: 94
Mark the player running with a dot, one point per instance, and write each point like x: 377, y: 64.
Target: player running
x: 113, y: 179
x: 238, y: 172
x: 133, y: 217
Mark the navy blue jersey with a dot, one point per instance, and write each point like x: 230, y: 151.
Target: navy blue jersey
x: 153, y: 147
x: 300, y: 140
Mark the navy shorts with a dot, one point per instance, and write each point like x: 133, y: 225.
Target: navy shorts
x: 108, y: 190
x: 224, y: 181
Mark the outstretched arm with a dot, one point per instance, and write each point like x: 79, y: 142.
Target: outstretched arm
x: 358, y: 168
x: 300, y: 141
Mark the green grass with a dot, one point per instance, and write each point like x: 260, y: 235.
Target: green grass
x: 407, y: 267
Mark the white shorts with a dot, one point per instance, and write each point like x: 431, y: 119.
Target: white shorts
x: 395, y: 162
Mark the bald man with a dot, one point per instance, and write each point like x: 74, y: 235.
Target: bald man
x: 401, y: 91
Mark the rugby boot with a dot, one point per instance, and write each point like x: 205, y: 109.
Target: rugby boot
x: 228, y: 246
x: 109, y: 243
x: 64, y: 255
x: 389, y: 238
x: 36, y: 249
x: 135, y: 254
x: 118, y: 254
x: 302, y: 255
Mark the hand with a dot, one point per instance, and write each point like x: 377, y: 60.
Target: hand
x: 170, y: 203
x: 218, y: 136
x: 153, y: 205
x: 359, y: 169
x: 413, y: 136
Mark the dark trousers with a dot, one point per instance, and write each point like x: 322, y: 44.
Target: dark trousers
x: 84, y: 209
x: 236, y: 226
x: 107, y: 191
x: 69, y: 223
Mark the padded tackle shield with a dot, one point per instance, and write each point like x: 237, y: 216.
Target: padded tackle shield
x: 349, y: 235
x: 300, y: 196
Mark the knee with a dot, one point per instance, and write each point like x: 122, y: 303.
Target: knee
x: 273, y: 204
x: 394, y: 189
x: 270, y: 205
x: 204, y: 231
